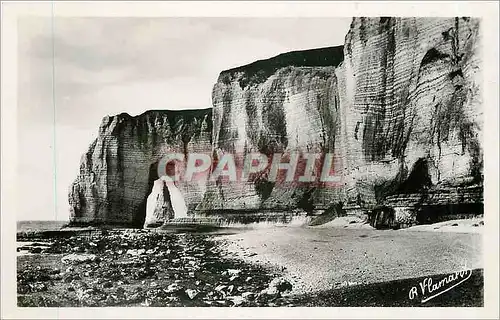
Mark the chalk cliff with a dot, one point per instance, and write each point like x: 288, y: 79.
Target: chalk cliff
x: 118, y: 171
x: 286, y: 104
x: 402, y: 114
x: 399, y: 106
x: 158, y: 206
x: 411, y: 111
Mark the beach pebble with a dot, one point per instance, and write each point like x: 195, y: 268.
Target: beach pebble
x: 71, y: 277
x: 174, y: 287
x: 220, y: 288
x: 247, y: 295
x: 136, y: 252
x: 103, y: 283
x: 78, y: 258
x: 279, y: 285
x: 110, y: 300
x: 223, y: 303
x: 233, y: 278
x: 233, y: 272
x: 36, y: 250
x: 38, y: 286
x: 237, y: 300
x: 192, y: 293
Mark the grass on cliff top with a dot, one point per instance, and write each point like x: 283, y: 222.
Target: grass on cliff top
x: 260, y: 70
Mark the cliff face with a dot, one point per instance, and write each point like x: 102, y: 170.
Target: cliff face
x: 118, y: 171
x: 411, y: 108
x: 399, y: 106
x: 402, y: 114
x: 267, y: 108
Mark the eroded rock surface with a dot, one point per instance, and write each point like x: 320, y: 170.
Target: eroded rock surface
x: 399, y: 105
x: 411, y: 104
x: 118, y: 171
x: 277, y: 109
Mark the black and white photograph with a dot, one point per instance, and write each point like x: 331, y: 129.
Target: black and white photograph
x: 258, y: 162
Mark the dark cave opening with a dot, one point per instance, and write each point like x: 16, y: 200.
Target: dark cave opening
x: 433, y: 55
x: 140, y: 214
x: 418, y: 179
x: 306, y: 201
x: 382, y: 217
x: 429, y: 214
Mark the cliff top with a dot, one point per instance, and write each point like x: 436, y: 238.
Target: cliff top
x: 168, y: 116
x: 183, y: 112
x: 262, y: 69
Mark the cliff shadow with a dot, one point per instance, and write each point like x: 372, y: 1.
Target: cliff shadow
x: 383, y: 217
x: 434, y: 213
x: 140, y: 214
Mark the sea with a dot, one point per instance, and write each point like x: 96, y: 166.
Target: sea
x: 40, y: 225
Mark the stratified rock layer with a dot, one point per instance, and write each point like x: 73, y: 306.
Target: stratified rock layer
x: 291, y: 109
x: 399, y: 106
x: 118, y: 171
x: 411, y: 107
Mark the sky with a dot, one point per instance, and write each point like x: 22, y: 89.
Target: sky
x: 74, y: 71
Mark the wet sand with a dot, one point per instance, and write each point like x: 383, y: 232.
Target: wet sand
x: 318, y: 259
